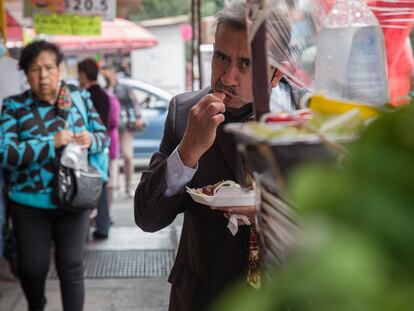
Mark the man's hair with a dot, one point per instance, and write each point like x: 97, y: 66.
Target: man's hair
x: 31, y: 51
x: 233, y: 14
x: 90, y: 68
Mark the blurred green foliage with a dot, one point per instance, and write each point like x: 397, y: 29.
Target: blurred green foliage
x: 151, y: 9
x: 359, y: 225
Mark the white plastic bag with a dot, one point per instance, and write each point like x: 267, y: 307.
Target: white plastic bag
x: 75, y: 157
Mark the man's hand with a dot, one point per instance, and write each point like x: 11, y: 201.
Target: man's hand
x: 203, y: 120
x: 249, y: 211
x: 62, y: 138
x: 84, y: 139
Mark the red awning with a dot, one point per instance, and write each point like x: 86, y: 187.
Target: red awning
x: 14, y: 30
x: 117, y: 36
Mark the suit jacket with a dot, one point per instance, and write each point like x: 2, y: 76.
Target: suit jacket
x: 209, y: 258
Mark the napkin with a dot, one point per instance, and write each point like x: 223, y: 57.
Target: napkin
x: 233, y: 225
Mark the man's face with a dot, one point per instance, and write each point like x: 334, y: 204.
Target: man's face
x: 43, y: 75
x: 231, y: 66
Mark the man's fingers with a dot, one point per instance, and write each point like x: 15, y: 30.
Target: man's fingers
x: 211, y: 98
x: 218, y: 118
x: 220, y: 95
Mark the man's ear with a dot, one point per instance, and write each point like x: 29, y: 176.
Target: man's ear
x: 279, y: 73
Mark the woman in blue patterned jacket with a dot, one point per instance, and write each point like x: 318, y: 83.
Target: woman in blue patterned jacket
x: 31, y: 141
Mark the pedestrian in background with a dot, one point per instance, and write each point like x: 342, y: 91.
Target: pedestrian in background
x: 130, y: 122
x: 88, y: 75
x: 113, y: 124
x: 36, y: 125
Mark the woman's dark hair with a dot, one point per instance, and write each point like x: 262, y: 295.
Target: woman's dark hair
x: 32, y: 50
x: 90, y: 68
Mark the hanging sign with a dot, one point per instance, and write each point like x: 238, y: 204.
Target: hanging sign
x: 104, y: 8
x: 64, y: 24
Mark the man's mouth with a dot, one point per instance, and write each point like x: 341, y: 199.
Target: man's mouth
x: 230, y: 96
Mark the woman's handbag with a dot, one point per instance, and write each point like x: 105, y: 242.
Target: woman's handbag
x: 77, y: 190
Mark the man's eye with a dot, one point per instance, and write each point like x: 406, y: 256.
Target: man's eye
x: 220, y: 56
x: 245, y: 63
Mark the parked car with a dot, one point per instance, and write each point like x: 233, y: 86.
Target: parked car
x: 154, y: 106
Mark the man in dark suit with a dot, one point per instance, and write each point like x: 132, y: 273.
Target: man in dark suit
x: 195, y: 151
x: 88, y: 75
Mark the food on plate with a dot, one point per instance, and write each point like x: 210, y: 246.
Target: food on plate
x: 304, y: 124
x: 212, y: 189
x: 286, y: 117
x: 224, y: 193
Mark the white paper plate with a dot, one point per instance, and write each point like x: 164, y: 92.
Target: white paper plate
x: 225, y: 196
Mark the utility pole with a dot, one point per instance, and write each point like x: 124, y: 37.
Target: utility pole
x: 3, y: 22
x: 196, y: 41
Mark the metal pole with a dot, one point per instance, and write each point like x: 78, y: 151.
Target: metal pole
x: 192, y: 43
x: 260, y: 79
x: 200, y: 67
x: 3, y: 22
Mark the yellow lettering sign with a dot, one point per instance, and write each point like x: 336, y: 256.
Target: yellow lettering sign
x: 62, y: 24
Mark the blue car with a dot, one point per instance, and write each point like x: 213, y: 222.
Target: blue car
x: 154, y: 107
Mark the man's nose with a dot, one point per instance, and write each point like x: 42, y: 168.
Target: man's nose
x: 229, y: 77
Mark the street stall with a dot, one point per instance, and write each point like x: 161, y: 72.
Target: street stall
x: 339, y: 62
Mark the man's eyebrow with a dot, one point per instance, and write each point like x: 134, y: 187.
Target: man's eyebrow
x: 220, y: 53
x: 244, y: 59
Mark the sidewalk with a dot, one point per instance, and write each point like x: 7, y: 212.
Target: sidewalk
x: 126, y: 272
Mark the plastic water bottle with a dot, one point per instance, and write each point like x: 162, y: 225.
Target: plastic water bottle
x: 351, y: 61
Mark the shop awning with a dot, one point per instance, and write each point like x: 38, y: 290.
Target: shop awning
x: 117, y: 36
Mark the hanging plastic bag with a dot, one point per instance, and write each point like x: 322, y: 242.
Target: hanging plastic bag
x: 305, y: 20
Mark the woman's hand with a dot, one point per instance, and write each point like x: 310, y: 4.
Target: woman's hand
x: 140, y: 124
x: 63, y: 138
x: 83, y: 138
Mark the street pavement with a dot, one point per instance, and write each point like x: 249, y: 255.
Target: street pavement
x: 113, y: 294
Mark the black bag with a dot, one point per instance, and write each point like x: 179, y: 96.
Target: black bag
x: 128, y: 118
x: 77, y: 190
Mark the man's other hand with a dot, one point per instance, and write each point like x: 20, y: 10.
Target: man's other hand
x: 249, y: 211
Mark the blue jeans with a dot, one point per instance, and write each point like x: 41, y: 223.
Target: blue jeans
x: 2, y: 212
